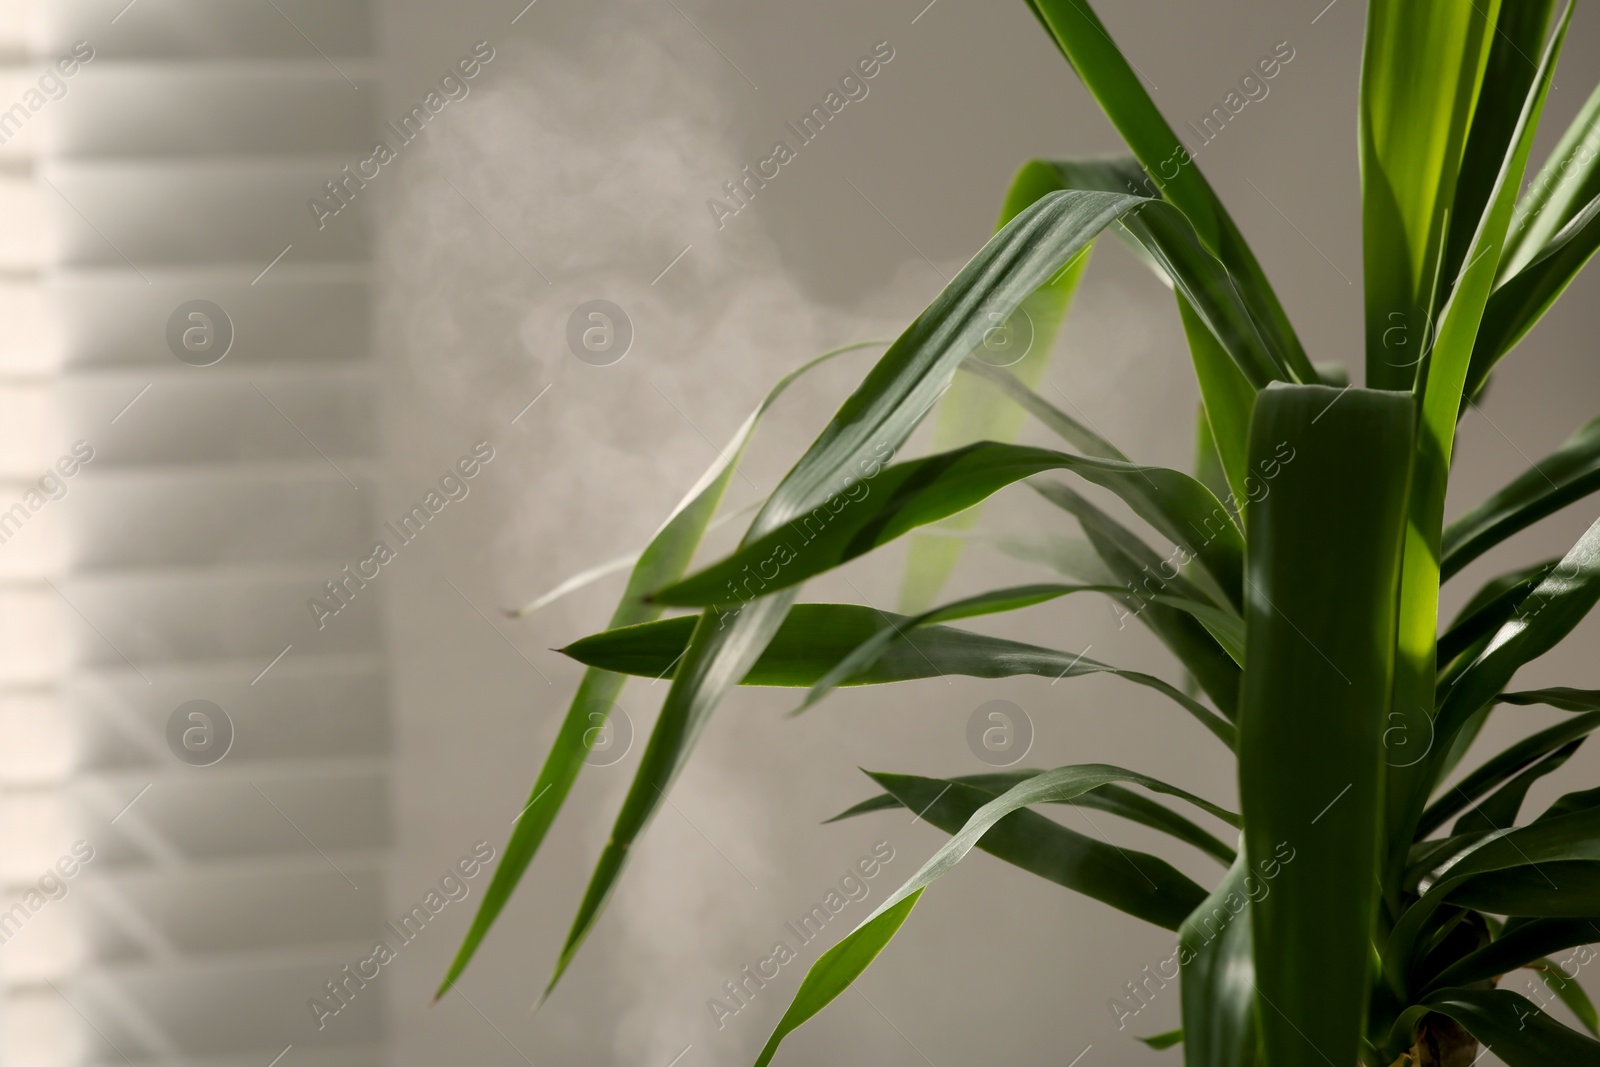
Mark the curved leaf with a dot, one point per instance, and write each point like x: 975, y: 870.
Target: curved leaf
x: 1420, y: 76
x: 1570, y: 993
x: 1542, y: 620
x: 1501, y: 808
x: 814, y: 637
x: 1557, y: 697
x: 863, y: 434
x: 1514, y: 1027
x: 1518, y: 947
x: 1228, y: 629
x: 1519, y: 303
x: 1112, y: 799
x: 968, y: 412
x: 1564, y: 186
x: 1148, y: 575
x: 1566, y: 839
x: 1218, y: 967
x: 844, y: 962
x: 666, y: 557
x: 1441, y: 381
x: 1142, y: 885
x: 1501, y: 767
x: 1169, y: 167
x: 1570, y: 473
x: 1556, y: 889
x: 907, y: 495
x: 1487, y: 611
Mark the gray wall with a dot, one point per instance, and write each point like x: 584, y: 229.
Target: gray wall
x: 581, y: 161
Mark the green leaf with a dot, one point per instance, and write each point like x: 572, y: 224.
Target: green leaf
x: 1219, y: 988
x: 844, y: 962
x: 1024, y: 342
x: 1227, y: 400
x: 1500, y: 810
x: 1565, y: 185
x: 1570, y: 993
x: 1112, y: 799
x: 863, y: 434
x: 1319, y: 614
x: 1556, y: 697
x: 1075, y: 433
x: 1519, y: 303
x: 1440, y: 382
x: 1487, y: 611
x: 1571, y: 840
x: 663, y: 559
x: 1557, y: 889
x: 814, y: 637
x: 1161, y: 1042
x: 1508, y: 74
x: 1542, y: 620
x: 1570, y: 473
x: 1137, y: 883
x: 1518, y: 947
x: 1136, y: 565
x: 907, y: 495
x: 1420, y: 75
x: 1514, y: 1027
x: 1228, y: 629
x: 1502, y: 767
x: 1169, y: 169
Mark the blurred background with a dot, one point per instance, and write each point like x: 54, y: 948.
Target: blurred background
x: 241, y: 344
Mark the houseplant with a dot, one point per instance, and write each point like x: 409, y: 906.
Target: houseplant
x: 1301, y: 591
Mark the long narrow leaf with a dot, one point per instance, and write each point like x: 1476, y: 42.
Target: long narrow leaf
x: 1518, y: 947
x: 1169, y: 166
x: 1568, y: 474
x: 1514, y: 1027
x: 1543, y: 618
x: 907, y: 495
x: 1147, y: 576
x: 812, y: 638
x: 1228, y: 629
x: 1319, y: 615
x: 1572, y: 840
x: 860, y: 438
x: 1441, y: 382
x: 1218, y: 973
x: 1134, y: 882
x: 666, y: 557
x: 1022, y: 342
x: 1502, y: 767
x: 1112, y: 799
x: 1565, y: 185
x: 1420, y: 76
x: 837, y: 968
